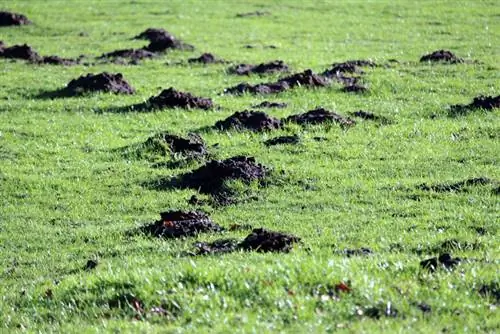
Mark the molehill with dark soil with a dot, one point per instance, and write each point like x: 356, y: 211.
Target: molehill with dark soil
x: 177, y: 224
x: 441, y: 56
x: 12, y: 19
x: 205, y: 58
x: 444, y: 260
x: 102, y: 82
x: 171, y: 98
x: 263, y: 68
x: 161, y: 40
x: 480, y: 102
x: 318, y: 116
x: 132, y: 54
x: 26, y: 52
x: 290, y: 140
x: 251, y: 120
x: 192, y: 146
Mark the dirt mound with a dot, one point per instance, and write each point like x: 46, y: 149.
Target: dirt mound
x: 24, y: 52
x: 291, y: 140
x: 262, y: 240
x: 216, y: 247
x: 192, y: 146
x: 263, y: 68
x: 318, y: 116
x: 133, y: 54
x: 251, y: 120
x: 56, y: 60
x: 480, y: 102
x: 154, y: 34
x: 350, y: 66
x: 369, y: 116
x: 306, y: 79
x: 102, y: 82
x: 177, y: 224
x: 457, y: 186
x: 441, y: 56
x: 267, y: 104
x: 165, y: 43
x: 210, y: 178
x: 444, y: 260
x: 171, y: 98
x: 12, y: 19
x: 206, y: 58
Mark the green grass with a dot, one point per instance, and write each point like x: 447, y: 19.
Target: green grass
x: 71, y: 188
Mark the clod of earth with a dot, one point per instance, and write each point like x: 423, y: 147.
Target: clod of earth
x: 318, y: 116
x: 290, y: 140
x: 444, y: 260
x: 369, y: 116
x: 458, y: 186
x: 216, y: 247
x: 12, y: 19
x: 171, y: 98
x: 205, y: 58
x: 267, y: 104
x: 192, y: 146
x: 168, y: 42
x: 154, y: 34
x: 441, y: 56
x: 256, y: 13
x: 25, y: 52
x: 102, y: 82
x: 263, y: 240
x: 480, y: 102
x: 251, y: 120
x: 263, y: 68
x: 357, y: 252
x: 177, y: 224
x: 56, y: 60
x: 133, y: 54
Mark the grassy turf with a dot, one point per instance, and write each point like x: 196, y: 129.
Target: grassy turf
x: 72, y: 187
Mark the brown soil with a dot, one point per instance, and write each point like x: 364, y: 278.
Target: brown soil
x: 263, y: 68
x: 216, y: 247
x: 251, y: 120
x: 170, y: 98
x: 210, y: 178
x: 262, y: 240
x: 480, y: 102
x: 366, y: 115
x: 133, y: 54
x: 177, y: 224
x: 444, y: 260
x: 12, y: 19
x: 102, y: 82
x: 154, y: 34
x: 192, y: 146
x: 166, y: 43
x: 206, y: 58
x: 290, y: 140
x: 457, y: 186
x: 25, y: 52
x: 267, y: 104
x: 318, y: 116
x: 306, y: 78
x: 256, y: 13
x: 350, y: 66
x: 56, y: 60
x: 441, y: 56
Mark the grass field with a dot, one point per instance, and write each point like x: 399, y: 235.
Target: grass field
x: 74, y: 182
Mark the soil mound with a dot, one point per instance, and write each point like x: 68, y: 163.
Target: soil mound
x: 192, y: 146
x: 457, y: 186
x: 263, y: 240
x: 12, y: 19
x: 166, y: 43
x: 177, y: 224
x: 369, y: 116
x: 56, y: 60
x: 306, y: 78
x: 350, y: 66
x: 24, y: 52
x: 210, y: 178
x: 206, y: 58
x: 291, y: 140
x: 216, y: 247
x: 133, y: 54
x: 102, y: 82
x: 318, y: 116
x: 444, y: 260
x: 171, y: 98
x: 480, y: 102
x: 267, y: 104
x: 251, y: 120
x: 263, y: 68
x: 154, y: 34
x: 441, y: 56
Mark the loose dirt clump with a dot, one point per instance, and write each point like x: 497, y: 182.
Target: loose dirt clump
x: 282, y: 140
x: 133, y: 54
x: 441, y: 56
x: 102, y: 82
x: 263, y: 240
x: 154, y: 34
x: 458, y: 186
x: 171, y: 98
x: 267, y: 104
x: 251, y: 120
x: 306, y: 78
x: 12, y: 19
x: 480, y: 102
x: 444, y: 260
x: 369, y: 116
x: 24, y: 52
x: 263, y: 68
x: 206, y: 58
x: 192, y: 146
x: 216, y: 247
x: 178, y: 224
x: 56, y: 60
x: 318, y: 116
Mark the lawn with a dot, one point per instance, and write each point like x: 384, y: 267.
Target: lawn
x: 77, y: 182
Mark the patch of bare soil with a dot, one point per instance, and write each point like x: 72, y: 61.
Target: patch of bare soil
x: 480, y: 102
x: 263, y: 68
x: 369, y: 116
x: 251, y: 120
x: 282, y: 140
x: 12, y: 19
x: 171, y: 98
x: 178, y: 224
x: 206, y: 58
x: 441, y: 56
x: 26, y: 52
x: 318, y: 116
x: 132, y: 54
x: 263, y: 240
x: 102, y: 82
x: 443, y: 261
x: 153, y: 34
x: 192, y: 146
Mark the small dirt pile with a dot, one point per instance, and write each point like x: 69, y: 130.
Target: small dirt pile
x: 178, y: 224
x: 318, y: 116
x: 263, y: 240
x: 26, y: 52
x: 205, y: 58
x: 369, y: 116
x: 480, y: 102
x: 263, y: 68
x: 192, y: 146
x: 154, y: 34
x: 132, y: 54
x: 171, y: 98
x: 161, y: 40
x: 441, y: 56
x: 290, y: 140
x: 102, y: 82
x: 444, y: 260
x: 12, y: 19
x: 250, y: 120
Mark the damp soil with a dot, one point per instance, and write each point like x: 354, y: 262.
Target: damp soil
x: 171, y: 98
x: 154, y: 34
x: 161, y: 40
x: 190, y: 146
x: 441, y: 56
x: 132, y: 54
x: 445, y: 261
x: 249, y: 120
x: 268, y: 104
x: 205, y: 58
x: 102, y: 82
x: 457, y: 186
x: 369, y: 116
x: 13, y: 19
x: 178, y: 224
x: 26, y: 52
x: 263, y: 68
x: 480, y: 102
x: 283, y: 140
x: 220, y: 246
x: 318, y: 116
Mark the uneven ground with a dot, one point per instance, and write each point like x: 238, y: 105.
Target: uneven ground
x: 75, y: 185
